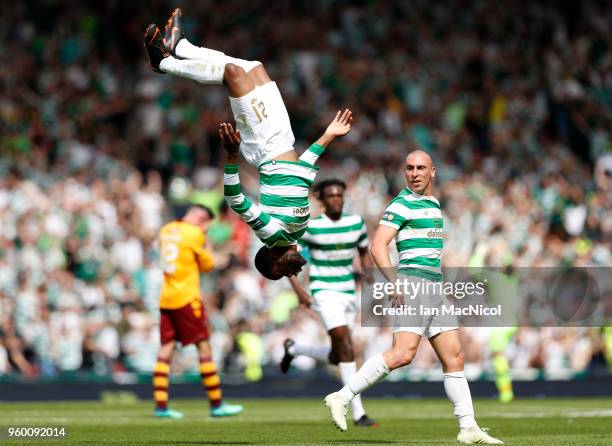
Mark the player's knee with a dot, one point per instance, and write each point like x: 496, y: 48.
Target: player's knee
x: 458, y: 359
x: 407, y: 357
x: 204, y: 348
x: 402, y: 358
x: 256, y: 65
x: 347, y: 356
x: 453, y: 361
x: 233, y: 74
x: 166, y: 351
x: 257, y: 72
x: 343, y: 352
x: 333, y: 358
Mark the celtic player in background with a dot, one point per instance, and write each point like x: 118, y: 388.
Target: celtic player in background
x: 333, y: 239
x: 414, y: 220
x: 183, y: 317
x: 265, y: 139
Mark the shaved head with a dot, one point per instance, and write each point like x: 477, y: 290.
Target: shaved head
x: 420, y: 156
x: 419, y: 172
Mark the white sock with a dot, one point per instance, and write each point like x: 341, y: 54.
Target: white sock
x: 187, y: 50
x: 458, y: 392
x: 318, y: 352
x: 347, y: 370
x: 203, y: 71
x: 372, y: 371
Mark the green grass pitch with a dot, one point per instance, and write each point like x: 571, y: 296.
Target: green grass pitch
x: 305, y: 421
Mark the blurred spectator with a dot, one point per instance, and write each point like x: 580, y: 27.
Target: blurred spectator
x: 514, y: 102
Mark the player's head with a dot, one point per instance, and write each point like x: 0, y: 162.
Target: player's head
x: 199, y: 215
x: 274, y: 263
x: 331, y: 194
x: 420, y: 171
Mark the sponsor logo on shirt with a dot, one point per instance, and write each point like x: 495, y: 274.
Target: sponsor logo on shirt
x: 435, y: 233
x: 301, y: 212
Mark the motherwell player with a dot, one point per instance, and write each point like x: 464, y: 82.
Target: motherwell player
x: 183, y: 317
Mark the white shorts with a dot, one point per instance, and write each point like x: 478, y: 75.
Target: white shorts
x: 264, y: 124
x: 426, y: 331
x: 432, y: 326
x: 335, y: 309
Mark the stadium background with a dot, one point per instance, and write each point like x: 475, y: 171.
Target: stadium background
x: 513, y: 101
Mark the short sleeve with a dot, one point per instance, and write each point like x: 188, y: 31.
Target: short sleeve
x: 394, y: 215
x: 305, y: 240
x: 363, y: 241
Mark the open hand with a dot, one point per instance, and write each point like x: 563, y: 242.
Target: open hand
x: 230, y: 138
x: 341, y: 124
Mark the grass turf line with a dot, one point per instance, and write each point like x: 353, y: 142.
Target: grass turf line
x: 305, y: 421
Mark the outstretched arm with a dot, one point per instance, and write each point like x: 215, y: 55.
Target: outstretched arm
x: 239, y: 202
x: 248, y: 211
x: 230, y: 139
x: 339, y: 127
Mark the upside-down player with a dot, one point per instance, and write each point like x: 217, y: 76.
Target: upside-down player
x: 264, y: 136
x: 183, y: 317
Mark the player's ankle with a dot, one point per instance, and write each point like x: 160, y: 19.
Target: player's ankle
x: 467, y: 426
x: 346, y: 393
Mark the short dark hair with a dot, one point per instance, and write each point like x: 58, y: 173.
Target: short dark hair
x: 264, y: 263
x: 320, y: 187
x: 210, y: 212
x: 266, y: 259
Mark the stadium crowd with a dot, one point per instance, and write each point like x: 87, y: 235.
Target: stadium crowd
x: 513, y: 100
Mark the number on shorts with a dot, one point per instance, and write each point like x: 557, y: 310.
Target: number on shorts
x: 242, y: 117
x: 259, y: 108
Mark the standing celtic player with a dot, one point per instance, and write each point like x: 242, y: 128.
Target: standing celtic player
x: 414, y: 220
x: 333, y: 239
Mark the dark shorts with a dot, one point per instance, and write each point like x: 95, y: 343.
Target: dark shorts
x: 187, y: 324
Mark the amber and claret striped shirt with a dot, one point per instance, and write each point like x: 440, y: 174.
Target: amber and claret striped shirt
x: 183, y: 257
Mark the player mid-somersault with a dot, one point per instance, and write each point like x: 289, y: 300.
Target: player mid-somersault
x: 264, y: 136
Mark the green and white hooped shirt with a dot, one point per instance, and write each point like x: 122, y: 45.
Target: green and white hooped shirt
x: 332, y: 245
x: 282, y: 216
x: 419, y: 240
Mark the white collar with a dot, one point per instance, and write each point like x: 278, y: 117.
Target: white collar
x: 422, y: 197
